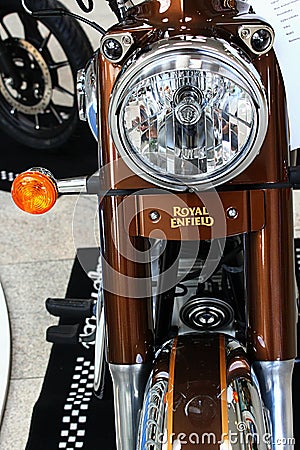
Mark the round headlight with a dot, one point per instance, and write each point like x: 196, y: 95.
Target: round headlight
x: 189, y: 114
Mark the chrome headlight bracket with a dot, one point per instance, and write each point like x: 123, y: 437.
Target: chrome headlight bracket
x: 115, y: 46
x: 259, y: 39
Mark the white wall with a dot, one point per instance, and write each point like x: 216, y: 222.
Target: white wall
x: 101, y: 14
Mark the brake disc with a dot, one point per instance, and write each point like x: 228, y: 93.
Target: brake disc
x: 35, y: 92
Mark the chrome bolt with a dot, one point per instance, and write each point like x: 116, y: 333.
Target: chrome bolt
x: 154, y: 216
x: 206, y: 318
x: 126, y: 40
x: 245, y: 33
x: 232, y: 213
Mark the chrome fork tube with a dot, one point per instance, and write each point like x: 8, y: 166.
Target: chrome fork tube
x: 275, y: 378
x: 129, y: 383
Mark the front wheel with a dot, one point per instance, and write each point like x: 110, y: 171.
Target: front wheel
x: 42, y: 111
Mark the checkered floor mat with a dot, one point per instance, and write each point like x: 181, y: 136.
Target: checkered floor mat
x: 67, y: 415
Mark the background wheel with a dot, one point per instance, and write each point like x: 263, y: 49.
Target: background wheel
x: 47, y: 53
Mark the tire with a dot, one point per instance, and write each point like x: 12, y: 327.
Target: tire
x: 46, y: 115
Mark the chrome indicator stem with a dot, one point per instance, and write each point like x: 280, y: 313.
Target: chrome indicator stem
x: 275, y: 378
x: 72, y: 185
x: 129, y: 383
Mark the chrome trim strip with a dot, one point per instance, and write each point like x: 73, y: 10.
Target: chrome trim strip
x: 129, y: 383
x: 275, y: 378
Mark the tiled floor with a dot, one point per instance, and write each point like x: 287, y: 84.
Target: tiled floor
x: 36, y: 255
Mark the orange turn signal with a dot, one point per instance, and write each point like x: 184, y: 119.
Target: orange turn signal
x: 34, y: 191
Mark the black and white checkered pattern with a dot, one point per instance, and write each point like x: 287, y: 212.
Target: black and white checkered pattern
x: 76, y: 407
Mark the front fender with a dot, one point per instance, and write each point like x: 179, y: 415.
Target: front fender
x: 203, y: 393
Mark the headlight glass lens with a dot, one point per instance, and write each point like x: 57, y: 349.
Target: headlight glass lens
x: 189, y: 117
x: 188, y: 122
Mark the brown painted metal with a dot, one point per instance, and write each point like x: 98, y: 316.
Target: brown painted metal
x: 127, y: 304
x: 257, y: 211
x: 271, y: 284
x: 197, y: 396
x: 195, y: 217
x: 272, y: 163
x: 184, y: 15
x: 199, y: 369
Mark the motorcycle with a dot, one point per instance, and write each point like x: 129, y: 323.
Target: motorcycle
x: 39, y: 59
x: 197, y: 314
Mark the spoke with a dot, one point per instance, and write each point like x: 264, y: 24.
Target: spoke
x: 37, y: 122
x: 59, y: 65
x: 64, y: 90
x: 31, y: 30
x: 6, y: 29
x: 56, y: 114
x: 45, y: 41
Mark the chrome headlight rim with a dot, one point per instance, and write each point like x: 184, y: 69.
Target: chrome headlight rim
x: 220, y: 58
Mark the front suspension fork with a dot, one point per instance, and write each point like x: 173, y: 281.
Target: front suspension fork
x: 128, y: 315
x: 272, y: 312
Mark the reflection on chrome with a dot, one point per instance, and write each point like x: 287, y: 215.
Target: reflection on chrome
x: 249, y: 425
x: 87, y: 94
x: 153, y: 429
x: 167, y: 123
x: 247, y: 418
x: 275, y: 379
x: 128, y: 385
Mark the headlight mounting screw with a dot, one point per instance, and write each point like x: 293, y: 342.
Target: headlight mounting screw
x: 232, y: 213
x: 154, y: 216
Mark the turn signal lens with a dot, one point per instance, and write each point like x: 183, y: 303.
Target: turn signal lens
x: 34, y: 191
